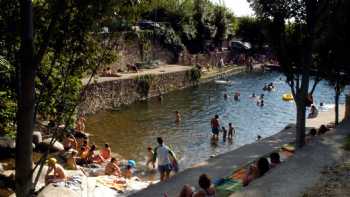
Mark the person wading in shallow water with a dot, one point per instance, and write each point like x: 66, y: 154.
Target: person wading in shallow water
x: 215, y: 127
x: 164, y: 156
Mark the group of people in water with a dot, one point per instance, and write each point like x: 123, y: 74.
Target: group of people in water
x: 226, y: 133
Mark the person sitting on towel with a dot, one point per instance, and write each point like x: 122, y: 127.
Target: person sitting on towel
x: 112, y: 168
x: 58, y: 172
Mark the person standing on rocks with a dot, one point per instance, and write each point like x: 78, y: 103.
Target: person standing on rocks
x: 165, y: 156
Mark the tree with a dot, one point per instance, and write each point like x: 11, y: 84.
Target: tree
x: 25, y: 72
x: 52, y: 45
x: 294, y: 46
x: 221, y: 25
x: 252, y: 30
x: 332, y: 49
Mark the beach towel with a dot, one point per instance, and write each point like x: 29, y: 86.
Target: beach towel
x: 228, y: 186
x: 112, y: 182
x: 288, y: 147
x: 239, y: 174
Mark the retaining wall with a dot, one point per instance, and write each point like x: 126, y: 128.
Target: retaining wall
x: 112, y: 94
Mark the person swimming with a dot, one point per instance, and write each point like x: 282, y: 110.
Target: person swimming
x: 258, y: 137
x: 177, y: 116
x: 236, y: 96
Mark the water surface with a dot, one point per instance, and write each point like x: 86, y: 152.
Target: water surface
x: 133, y: 128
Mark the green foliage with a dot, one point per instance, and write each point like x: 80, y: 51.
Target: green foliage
x: 144, y: 83
x: 7, y: 101
x: 252, y: 30
x: 194, y: 74
x: 68, y: 47
x: 194, y: 24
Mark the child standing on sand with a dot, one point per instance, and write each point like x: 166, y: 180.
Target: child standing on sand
x: 150, y: 154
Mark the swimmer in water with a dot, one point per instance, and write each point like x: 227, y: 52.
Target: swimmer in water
x: 177, y: 116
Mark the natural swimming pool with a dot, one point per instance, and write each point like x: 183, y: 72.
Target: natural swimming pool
x: 131, y: 129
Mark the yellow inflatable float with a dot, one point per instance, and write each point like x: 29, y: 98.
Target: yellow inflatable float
x: 287, y: 97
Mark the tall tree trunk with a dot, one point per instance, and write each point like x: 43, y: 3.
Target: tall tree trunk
x: 337, y: 93
x: 301, y: 121
x: 25, y: 101
x: 302, y: 93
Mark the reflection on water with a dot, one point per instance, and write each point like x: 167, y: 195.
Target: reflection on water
x: 133, y: 128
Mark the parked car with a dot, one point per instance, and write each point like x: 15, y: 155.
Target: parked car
x: 146, y: 24
x: 240, y: 46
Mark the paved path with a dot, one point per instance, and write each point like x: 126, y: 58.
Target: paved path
x: 223, y: 165
x: 303, y: 170
x: 156, y: 71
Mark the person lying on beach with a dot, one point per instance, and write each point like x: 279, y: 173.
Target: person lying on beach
x: 58, y: 172
x: 105, y: 152
x: 322, y: 130
x: 206, y: 188
x: 275, y: 159
x: 310, y: 135
x: 256, y: 171
x: 112, y: 168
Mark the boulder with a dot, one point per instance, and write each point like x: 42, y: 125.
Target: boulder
x: 6, y: 142
x: 37, y: 137
x: 52, y: 191
x: 45, y: 145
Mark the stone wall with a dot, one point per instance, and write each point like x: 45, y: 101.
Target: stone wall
x: 114, y: 93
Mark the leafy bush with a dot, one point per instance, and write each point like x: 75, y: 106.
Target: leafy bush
x: 7, y: 101
x: 144, y: 83
x: 194, y: 74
